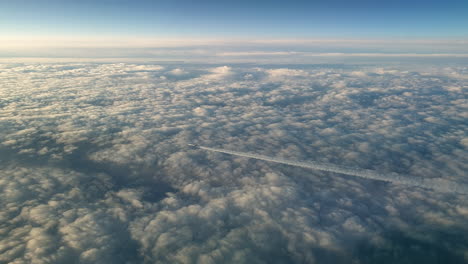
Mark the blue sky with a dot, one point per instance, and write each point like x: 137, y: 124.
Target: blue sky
x: 211, y: 30
x: 335, y: 19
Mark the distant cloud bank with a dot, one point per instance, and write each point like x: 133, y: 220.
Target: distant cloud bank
x: 225, y: 50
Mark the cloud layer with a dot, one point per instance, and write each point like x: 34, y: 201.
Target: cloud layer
x: 231, y: 50
x: 96, y: 169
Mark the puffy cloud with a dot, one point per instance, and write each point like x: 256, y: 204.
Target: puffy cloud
x: 96, y: 168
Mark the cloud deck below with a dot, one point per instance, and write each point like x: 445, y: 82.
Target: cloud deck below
x: 95, y: 166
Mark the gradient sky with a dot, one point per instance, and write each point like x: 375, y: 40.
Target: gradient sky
x: 210, y: 30
x: 261, y: 18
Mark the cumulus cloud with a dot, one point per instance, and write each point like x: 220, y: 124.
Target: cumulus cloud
x: 96, y: 169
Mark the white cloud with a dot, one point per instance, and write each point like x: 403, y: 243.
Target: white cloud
x: 115, y: 181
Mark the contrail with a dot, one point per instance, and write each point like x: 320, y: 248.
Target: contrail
x: 435, y: 184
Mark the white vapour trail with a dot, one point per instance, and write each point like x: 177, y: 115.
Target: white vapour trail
x: 435, y: 184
